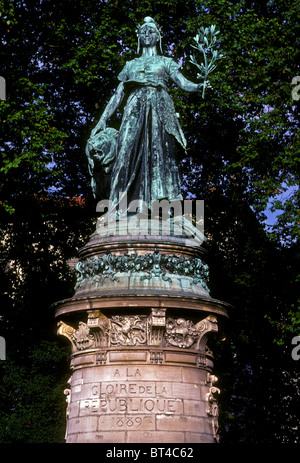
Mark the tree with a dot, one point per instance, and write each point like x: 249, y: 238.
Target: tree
x: 61, y: 61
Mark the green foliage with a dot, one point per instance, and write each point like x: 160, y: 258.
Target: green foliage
x: 61, y: 61
x: 30, y: 140
x: 31, y: 400
x: 206, y: 40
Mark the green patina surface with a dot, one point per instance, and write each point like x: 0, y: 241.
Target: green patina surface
x: 140, y: 160
x: 95, y: 271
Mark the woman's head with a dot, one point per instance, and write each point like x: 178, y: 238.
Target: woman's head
x: 149, y: 33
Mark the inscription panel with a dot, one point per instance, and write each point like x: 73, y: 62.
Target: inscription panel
x: 149, y: 372
x: 130, y: 389
x: 126, y: 400
x: 134, y: 405
x: 126, y: 394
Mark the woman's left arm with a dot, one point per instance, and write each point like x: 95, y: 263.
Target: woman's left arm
x: 184, y: 83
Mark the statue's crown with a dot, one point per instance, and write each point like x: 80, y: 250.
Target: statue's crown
x: 149, y: 21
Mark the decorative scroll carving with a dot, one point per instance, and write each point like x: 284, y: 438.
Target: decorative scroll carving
x: 128, y: 331
x: 67, y: 393
x: 95, y: 271
x: 67, y: 331
x: 205, y: 327
x: 80, y: 338
x: 212, y: 408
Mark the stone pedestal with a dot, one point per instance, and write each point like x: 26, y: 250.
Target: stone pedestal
x: 139, y: 324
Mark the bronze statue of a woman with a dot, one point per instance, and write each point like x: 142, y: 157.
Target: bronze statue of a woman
x: 140, y: 158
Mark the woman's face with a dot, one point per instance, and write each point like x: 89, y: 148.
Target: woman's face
x: 148, y: 36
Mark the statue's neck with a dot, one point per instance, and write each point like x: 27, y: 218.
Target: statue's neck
x: 149, y: 51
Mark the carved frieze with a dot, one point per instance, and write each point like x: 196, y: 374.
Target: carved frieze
x: 155, y: 331
x: 96, y: 271
x: 128, y: 331
x: 185, y: 334
x: 180, y: 333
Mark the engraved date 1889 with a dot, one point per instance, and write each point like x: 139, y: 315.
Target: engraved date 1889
x: 128, y: 422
